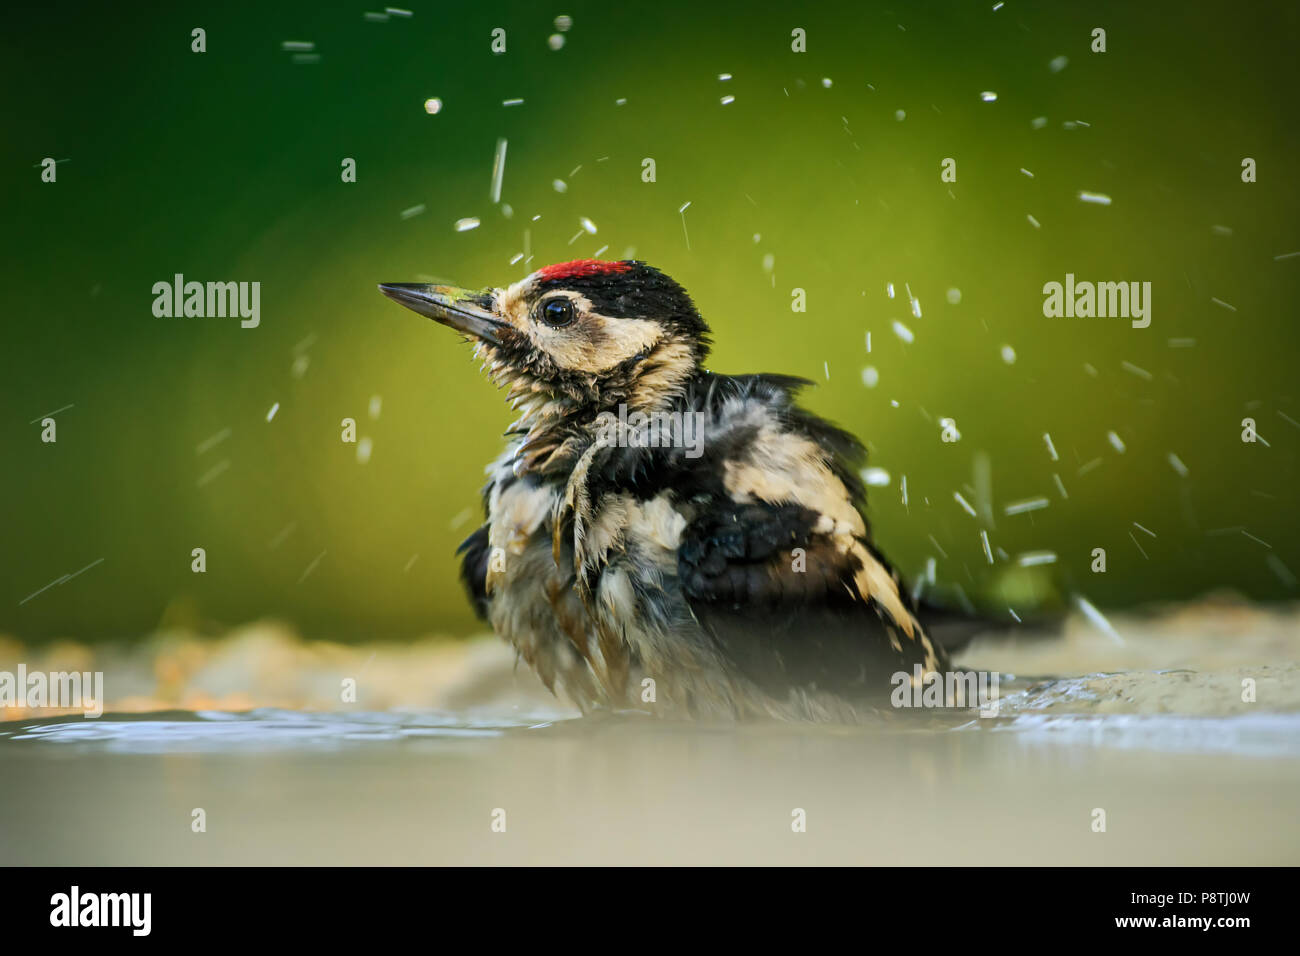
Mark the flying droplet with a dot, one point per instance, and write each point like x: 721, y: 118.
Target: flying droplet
x: 875, y: 477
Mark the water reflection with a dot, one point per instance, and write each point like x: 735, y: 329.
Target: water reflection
x: 1254, y: 735
x: 265, y: 728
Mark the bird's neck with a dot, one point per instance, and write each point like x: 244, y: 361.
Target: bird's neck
x: 554, y: 428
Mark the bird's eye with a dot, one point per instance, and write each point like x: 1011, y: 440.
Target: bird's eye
x: 557, y: 313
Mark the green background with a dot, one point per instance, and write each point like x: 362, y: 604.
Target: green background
x: 225, y: 165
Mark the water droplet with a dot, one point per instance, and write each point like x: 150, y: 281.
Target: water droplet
x: 875, y: 477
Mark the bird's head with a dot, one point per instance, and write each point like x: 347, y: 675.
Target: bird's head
x: 588, y: 333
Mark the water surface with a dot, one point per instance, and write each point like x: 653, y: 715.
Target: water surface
x: 395, y: 788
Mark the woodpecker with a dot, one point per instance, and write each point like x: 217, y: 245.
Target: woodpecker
x: 661, y: 537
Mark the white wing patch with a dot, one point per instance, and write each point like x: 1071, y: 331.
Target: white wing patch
x: 782, y: 467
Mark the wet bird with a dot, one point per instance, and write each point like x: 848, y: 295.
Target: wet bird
x: 661, y: 537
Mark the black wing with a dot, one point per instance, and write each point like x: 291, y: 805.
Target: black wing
x: 783, y: 601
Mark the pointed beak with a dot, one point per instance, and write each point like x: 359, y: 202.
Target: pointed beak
x: 461, y: 309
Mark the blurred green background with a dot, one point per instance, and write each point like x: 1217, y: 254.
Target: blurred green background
x: 225, y: 165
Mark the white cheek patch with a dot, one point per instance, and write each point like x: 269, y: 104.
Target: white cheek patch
x: 594, y: 343
x: 617, y: 340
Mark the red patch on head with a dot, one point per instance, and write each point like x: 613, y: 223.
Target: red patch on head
x: 579, y: 268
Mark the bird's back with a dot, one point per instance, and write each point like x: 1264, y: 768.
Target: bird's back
x: 711, y: 560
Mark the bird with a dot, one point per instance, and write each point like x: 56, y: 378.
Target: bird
x: 662, y: 538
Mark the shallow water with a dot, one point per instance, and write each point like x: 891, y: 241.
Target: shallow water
x: 1154, y: 729
x: 383, y: 788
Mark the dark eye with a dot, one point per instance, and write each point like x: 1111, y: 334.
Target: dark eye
x: 557, y: 313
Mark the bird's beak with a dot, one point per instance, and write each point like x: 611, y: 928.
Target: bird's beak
x: 461, y: 309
